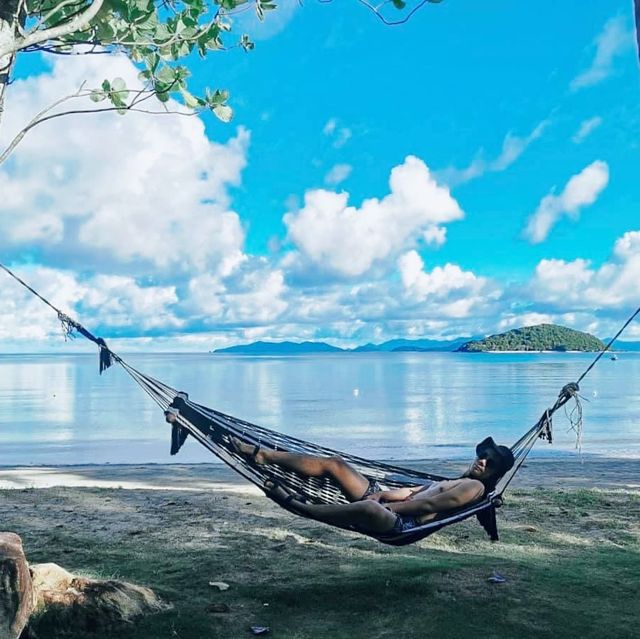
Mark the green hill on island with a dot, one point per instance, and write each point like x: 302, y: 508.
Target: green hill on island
x: 543, y: 337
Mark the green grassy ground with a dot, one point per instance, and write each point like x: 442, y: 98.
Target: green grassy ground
x: 571, y: 559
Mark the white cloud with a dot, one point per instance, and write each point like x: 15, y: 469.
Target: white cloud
x: 338, y: 173
x: 511, y: 321
x: 134, y: 189
x: 348, y: 241
x: 577, y: 286
x: 340, y: 135
x: 98, y: 300
x: 259, y: 297
x: 121, y: 302
x: 587, y: 127
x: 458, y: 291
x: 513, y: 147
x: 254, y: 295
x: 330, y: 126
x: 614, y: 40
x: 581, y: 190
x: 435, y: 235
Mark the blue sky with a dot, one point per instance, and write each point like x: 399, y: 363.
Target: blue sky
x: 512, y: 131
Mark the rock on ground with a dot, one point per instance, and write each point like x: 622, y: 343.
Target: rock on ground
x: 88, y: 605
x: 62, y: 600
x: 16, y: 591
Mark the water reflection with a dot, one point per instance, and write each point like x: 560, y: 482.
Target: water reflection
x: 407, y: 405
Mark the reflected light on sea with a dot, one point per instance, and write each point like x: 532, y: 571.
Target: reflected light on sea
x: 57, y: 409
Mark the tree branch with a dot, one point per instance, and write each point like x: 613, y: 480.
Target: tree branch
x: 141, y: 96
x: 393, y: 23
x: 78, y: 23
x: 64, y: 3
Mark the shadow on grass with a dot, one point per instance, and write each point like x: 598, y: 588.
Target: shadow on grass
x: 571, y: 560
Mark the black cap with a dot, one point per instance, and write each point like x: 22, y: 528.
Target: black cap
x: 501, y: 454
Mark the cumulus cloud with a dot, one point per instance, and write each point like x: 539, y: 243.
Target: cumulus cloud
x: 513, y: 147
x: 337, y: 174
x: 255, y: 294
x: 99, y: 300
x: 457, y: 290
x: 576, y: 285
x: 141, y: 190
x: 615, y: 39
x: 581, y: 190
x: 348, y: 241
x: 587, y: 127
x: 435, y: 235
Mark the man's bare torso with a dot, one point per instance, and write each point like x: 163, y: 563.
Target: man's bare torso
x: 431, y: 490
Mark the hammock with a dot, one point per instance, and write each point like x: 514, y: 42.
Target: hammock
x: 214, y: 430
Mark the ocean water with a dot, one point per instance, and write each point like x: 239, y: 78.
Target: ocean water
x: 57, y: 409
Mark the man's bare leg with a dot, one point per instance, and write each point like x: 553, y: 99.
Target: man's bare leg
x: 353, y: 484
x: 366, y: 515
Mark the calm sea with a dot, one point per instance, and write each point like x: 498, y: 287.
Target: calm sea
x: 57, y: 410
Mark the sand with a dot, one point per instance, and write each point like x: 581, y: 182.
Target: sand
x: 592, y: 472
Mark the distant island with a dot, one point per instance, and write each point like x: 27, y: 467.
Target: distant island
x: 280, y: 348
x: 543, y: 337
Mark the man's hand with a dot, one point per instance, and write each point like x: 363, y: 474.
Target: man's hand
x: 375, y: 497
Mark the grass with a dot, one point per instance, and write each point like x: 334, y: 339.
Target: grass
x: 571, y: 559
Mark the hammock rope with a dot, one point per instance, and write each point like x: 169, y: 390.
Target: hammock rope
x: 214, y: 431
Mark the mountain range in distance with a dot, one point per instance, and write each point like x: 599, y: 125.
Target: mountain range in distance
x: 305, y: 348
x: 535, y: 339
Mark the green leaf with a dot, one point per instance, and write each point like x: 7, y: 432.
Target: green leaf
x: 118, y: 85
x: 97, y: 96
x: 161, y: 33
x: 223, y: 112
x: 166, y: 74
x: 399, y: 4
x: 190, y: 100
x: 106, y: 86
x: 163, y: 96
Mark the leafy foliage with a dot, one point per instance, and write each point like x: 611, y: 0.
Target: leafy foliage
x: 158, y: 35
x: 543, y: 337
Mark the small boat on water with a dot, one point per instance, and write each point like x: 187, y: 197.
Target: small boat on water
x: 614, y: 357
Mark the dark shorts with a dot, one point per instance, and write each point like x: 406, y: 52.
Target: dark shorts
x: 374, y: 487
x: 402, y: 524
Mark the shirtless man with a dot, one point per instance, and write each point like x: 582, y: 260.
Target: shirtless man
x: 383, y: 512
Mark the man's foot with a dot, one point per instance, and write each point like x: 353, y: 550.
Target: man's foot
x: 245, y: 449
x: 284, y: 497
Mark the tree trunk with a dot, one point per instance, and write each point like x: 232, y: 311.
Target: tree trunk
x: 12, y: 16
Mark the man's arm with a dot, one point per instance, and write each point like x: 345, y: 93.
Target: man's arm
x: 463, y: 493
x: 398, y: 494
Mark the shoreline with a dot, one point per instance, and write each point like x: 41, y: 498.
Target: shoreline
x: 592, y: 472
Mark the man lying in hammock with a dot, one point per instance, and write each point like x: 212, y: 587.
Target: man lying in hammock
x: 382, y: 512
